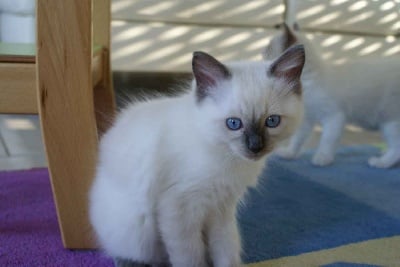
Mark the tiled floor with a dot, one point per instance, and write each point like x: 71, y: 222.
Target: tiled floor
x: 21, y: 145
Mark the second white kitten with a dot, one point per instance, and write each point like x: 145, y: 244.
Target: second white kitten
x: 363, y: 92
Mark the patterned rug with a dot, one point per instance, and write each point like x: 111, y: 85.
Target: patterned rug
x: 343, y: 215
x: 347, y: 214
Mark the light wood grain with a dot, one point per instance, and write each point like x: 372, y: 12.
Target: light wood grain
x: 66, y: 109
x: 18, y: 88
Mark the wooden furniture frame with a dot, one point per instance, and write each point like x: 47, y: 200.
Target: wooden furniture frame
x: 69, y: 85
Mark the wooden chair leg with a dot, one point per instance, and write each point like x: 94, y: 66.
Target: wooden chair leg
x: 67, y: 112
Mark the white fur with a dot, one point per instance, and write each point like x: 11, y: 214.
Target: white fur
x: 170, y: 173
x: 364, y: 92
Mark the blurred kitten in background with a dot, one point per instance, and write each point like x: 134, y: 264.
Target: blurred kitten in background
x: 364, y: 92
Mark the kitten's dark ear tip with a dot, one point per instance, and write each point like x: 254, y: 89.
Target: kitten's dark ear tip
x: 300, y: 49
x: 297, y: 49
x: 207, y: 72
x: 299, y: 46
x: 290, y: 63
x: 197, y: 54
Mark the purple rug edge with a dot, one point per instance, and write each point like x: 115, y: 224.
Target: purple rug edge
x: 29, y: 233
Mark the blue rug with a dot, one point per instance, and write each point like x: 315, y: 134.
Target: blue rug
x: 301, y: 208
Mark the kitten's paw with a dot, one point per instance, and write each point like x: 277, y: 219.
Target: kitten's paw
x: 378, y: 162
x: 285, y: 153
x: 322, y: 159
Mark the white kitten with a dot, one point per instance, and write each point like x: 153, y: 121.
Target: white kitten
x: 363, y: 92
x: 172, y: 170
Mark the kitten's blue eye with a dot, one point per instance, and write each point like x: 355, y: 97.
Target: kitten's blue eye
x: 273, y: 121
x: 233, y: 123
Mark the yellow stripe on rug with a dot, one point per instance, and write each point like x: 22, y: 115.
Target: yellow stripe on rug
x: 381, y: 252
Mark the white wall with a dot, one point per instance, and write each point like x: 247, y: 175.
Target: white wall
x: 151, y: 35
x: 17, y: 21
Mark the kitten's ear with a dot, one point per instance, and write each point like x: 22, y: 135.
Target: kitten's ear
x: 207, y: 72
x: 289, y: 65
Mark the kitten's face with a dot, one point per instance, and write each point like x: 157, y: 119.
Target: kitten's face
x: 252, y: 113
x: 251, y: 109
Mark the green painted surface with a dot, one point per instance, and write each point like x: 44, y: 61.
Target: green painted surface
x: 17, y: 49
x: 23, y: 49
